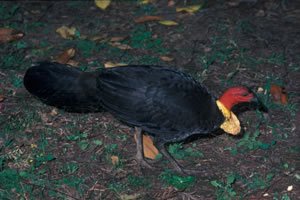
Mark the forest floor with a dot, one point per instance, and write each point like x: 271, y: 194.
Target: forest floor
x: 47, y: 153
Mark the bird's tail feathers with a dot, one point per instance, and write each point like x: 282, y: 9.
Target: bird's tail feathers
x: 63, y: 86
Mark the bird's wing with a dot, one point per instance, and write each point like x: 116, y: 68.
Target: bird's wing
x: 159, y: 100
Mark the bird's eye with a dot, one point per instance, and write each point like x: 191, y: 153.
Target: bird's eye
x: 245, y: 94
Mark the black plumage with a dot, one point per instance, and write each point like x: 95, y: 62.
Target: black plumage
x: 167, y: 104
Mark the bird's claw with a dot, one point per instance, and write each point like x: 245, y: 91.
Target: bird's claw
x: 144, y: 164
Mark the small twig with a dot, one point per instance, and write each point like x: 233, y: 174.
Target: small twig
x: 44, y: 186
x: 2, y: 74
x: 45, y: 12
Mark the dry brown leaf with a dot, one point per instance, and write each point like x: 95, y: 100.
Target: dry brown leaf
x: 166, y: 58
x: 117, y: 39
x: 130, y: 196
x: 66, y: 32
x: 284, y: 98
x: 114, y: 160
x: 73, y: 63
x: 111, y: 64
x: 120, y: 45
x: 8, y: 35
x: 64, y: 57
x: 98, y: 38
x: 171, y: 3
x: 53, y: 112
x: 150, y: 151
x: 147, y: 18
x: 2, y: 97
x: 279, y: 94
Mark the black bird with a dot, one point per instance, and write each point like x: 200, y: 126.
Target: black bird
x: 167, y: 104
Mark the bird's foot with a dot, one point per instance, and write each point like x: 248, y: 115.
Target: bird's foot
x: 144, y: 164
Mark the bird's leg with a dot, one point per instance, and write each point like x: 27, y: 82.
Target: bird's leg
x: 139, y: 148
x: 162, y: 148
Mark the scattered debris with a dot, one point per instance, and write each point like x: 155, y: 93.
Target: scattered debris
x: 65, y: 57
x: 2, y: 97
x: 290, y: 188
x: 111, y: 64
x: 147, y: 18
x: 279, y: 94
x: 189, y: 9
x: 66, y: 32
x: 168, y: 22
x: 114, y: 160
x: 166, y: 58
x: 102, y: 4
x: 8, y: 35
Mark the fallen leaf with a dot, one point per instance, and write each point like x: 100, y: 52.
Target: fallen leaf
x: 289, y: 188
x: 130, y: 196
x: 171, y: 3
x: 168, y: 22
x: 114, y: 160
x: 66, y: 32
x: 233, y: 3
x: 278, y: 94
x: 147, y: 18
x: 73, y: 63
x: 284, y: 98
x: 207, y: 49
x: 145, y: 1
x: 102, y: 4
x: 260, y: 90
x: 8, y: 35
x: 117, y: 39
x: 120, y: 45
x: 189, y: 9
x: 111, y: 64
x: 53, y: 112
x: 150, y: 151
x: 64, y: 57
x: 166, y: 58
x: 2, y: 97
x: 266, y: 195
x: 99, y: 38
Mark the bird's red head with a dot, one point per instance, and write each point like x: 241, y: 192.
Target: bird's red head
x: 236, y: 95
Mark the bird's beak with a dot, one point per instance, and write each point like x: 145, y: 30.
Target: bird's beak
x: 256, y: 102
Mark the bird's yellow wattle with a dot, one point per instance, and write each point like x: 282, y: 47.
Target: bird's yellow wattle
x: 231, y: 124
